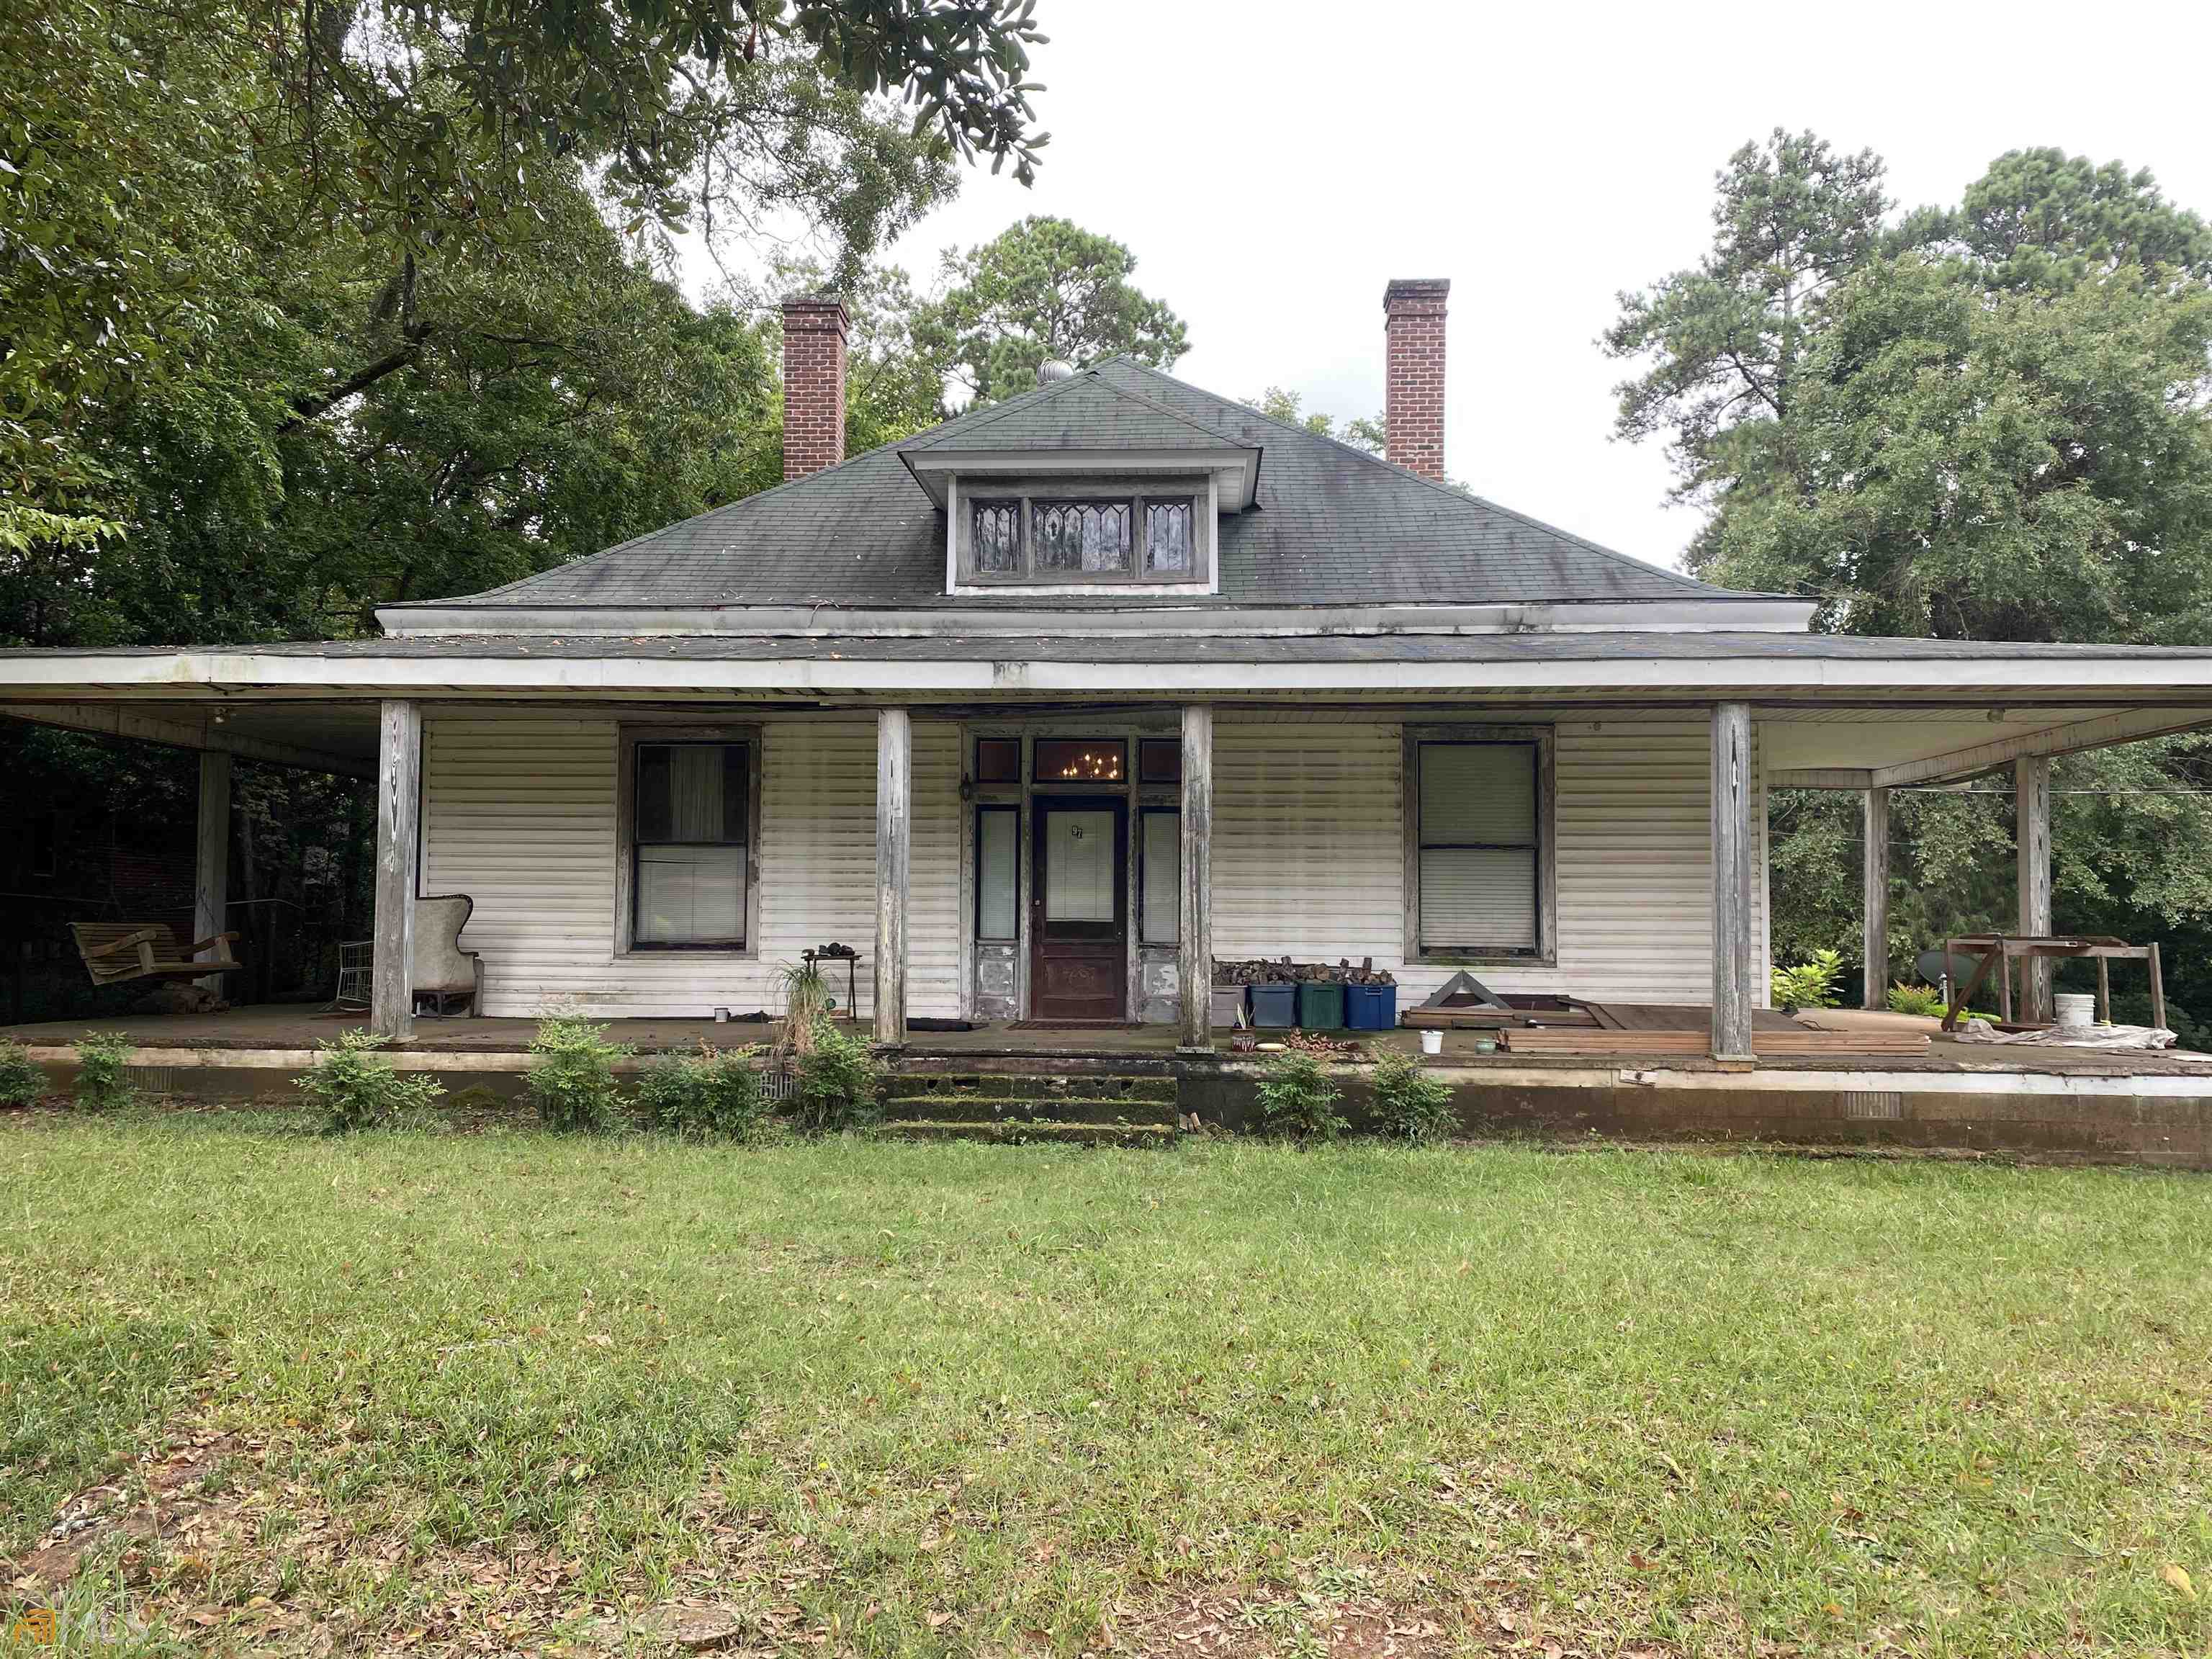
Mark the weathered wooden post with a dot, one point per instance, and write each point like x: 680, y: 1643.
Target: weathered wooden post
x: 894, y: 844
x: 211, y: 876
x: 1875, y: 953
x: 2032, y: 842
x: 1195, y: 956
x: 1732, y: 798
x: 399, y: 819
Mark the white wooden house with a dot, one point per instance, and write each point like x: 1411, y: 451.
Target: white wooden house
x: 1046, y: 708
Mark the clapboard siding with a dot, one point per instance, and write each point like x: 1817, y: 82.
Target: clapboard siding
x: 1308, y: 855
x: 932, y: 912
x: 1308, y: 861
x: 518, y: 812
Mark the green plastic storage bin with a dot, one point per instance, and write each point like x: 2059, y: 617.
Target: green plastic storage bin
x: 1320, y: 1007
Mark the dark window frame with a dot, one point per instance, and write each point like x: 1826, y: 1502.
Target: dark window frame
x: 983, y: 809
x: 1145, y: 874
x: 633, y: 739
x: 1013, y: 776
x: 1075, y: 785
x: 1545, y: 953
x: 1174, y: 774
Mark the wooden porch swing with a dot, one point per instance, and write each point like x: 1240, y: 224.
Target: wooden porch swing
x: 116, y: 952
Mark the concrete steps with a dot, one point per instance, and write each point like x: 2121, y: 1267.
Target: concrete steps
x: 1131, y: 1103
x: 1030, y: 1132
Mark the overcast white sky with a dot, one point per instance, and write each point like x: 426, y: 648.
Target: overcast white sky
x: 1274, y: 162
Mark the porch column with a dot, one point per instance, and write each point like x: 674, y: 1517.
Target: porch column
x: 1195, y: 931
x: 894, y: 844
x: 399, y: 819
x: 1732, y: 959
x: 1876, y: 952
x: 2032, y: 842
x: 211, y: 876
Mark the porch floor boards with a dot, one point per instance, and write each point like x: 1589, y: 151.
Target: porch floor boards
x: 291, y: 1028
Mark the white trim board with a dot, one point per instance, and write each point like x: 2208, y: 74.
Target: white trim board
x: 100, y: 677
x: 1138, y: 616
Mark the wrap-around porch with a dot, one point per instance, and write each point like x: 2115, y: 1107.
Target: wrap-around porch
x: 1616, y: 850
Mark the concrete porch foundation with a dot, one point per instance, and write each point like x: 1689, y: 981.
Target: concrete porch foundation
x: 2143, y: 1109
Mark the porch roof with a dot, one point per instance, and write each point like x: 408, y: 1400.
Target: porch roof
x: 1383, y: 661
x: 1838, y: 711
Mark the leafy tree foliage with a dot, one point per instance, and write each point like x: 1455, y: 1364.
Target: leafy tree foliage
x: 1361, y: 432
x: 276, y: 271
x: 1042, y: 288
x: 307, y: 306
x: 1988, y: 422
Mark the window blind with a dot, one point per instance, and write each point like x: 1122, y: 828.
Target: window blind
x: 1478, y: 846
x: 1162, y: 878
x: 691, y: 829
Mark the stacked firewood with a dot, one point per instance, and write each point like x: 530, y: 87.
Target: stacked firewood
x: 1261, y: 970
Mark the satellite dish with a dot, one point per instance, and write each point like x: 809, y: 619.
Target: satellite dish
x: 1054, y: 369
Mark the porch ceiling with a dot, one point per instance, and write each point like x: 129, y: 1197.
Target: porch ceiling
x: 1858, y: 749
x: 322, y: 737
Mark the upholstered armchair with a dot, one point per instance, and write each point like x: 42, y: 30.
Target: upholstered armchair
x: 444, y: 971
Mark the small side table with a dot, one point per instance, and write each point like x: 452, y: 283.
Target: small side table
x: 851, y: 959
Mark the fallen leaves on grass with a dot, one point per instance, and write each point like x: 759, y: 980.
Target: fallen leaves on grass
x: 1263, y: 1623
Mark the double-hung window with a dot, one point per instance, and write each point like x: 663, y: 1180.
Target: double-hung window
x: 690, y: 843
x: 1479, y: 863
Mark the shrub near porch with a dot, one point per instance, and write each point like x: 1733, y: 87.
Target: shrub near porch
x: 934, y: 1399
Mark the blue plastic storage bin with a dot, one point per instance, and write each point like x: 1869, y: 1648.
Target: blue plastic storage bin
x: 1371, y: 1007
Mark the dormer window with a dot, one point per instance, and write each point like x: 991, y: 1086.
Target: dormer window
x: 1052, y: 533
x: 1088, y: 537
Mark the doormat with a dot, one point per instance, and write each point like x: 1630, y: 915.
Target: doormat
x: 1075, y: 1025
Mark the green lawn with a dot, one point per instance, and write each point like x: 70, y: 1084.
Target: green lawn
x: 394, y: 1390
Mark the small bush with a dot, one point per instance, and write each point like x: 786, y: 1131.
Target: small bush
x: 572, y: 1083
x: 1297, y: 1099
x: 704, y: 1095
x: 100, y: 1058
x: 839, y: 1083
x: 355, y: 1088
x: 1409, y: 1104
x: 1915, y: 999
x: 1810, y: 984
x: 22, y: 1080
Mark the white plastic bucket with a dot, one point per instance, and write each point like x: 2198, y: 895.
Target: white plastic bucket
x: 2076, y: 1008
x: 1432, y: 1042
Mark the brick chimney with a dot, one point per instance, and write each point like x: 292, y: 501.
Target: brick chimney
x: 814, y: 327
x: 1414, y: 375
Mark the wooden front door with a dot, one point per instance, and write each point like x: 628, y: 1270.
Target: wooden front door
x: 1080, y: 909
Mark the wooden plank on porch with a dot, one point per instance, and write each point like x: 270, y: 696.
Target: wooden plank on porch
x: 1765, y: 1044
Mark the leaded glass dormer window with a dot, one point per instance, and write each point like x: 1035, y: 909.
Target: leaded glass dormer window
x: 1091, y: 538
x: 1052, y: 534
x: 996, y: 538
x: 1169, y: 548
